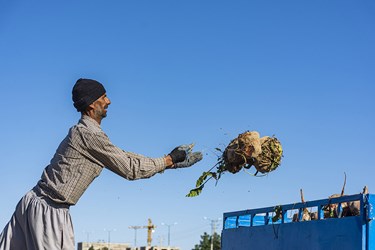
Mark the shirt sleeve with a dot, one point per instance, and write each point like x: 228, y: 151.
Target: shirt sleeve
x: 129, y: 165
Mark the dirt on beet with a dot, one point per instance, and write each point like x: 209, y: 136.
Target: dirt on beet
x: 245, y: 151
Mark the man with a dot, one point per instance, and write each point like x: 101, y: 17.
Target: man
x: 42, y: 219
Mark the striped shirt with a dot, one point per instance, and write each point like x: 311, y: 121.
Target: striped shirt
x: 80, y: 158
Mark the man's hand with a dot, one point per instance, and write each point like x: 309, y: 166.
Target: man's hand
x: 179, y: 153
x: 191, y: 159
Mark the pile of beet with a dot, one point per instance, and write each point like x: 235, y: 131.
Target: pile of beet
x: 248, y: 149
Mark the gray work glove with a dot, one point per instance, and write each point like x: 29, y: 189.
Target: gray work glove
x: 179, y: 153
x: 191, y: 159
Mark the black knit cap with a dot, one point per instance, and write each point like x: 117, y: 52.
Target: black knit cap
x: 85, y: 92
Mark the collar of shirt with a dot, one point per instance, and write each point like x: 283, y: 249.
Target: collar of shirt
x: 88, y: 121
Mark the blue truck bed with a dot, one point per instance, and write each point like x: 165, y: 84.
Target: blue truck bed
x: 256, y: 229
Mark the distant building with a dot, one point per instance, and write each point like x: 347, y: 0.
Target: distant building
x: 102, y: 246
x: 154, y: 248
x: 119, y: 246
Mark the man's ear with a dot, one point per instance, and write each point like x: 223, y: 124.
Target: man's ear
x: 91, y: 106
x: 88, y: 109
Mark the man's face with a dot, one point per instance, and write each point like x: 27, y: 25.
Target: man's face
x: 100, y: 106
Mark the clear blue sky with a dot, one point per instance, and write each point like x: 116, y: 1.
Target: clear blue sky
x: 190, y: 71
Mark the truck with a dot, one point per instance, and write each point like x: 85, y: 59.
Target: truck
x: 283, y: 226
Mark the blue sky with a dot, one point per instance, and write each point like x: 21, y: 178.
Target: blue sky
x: 190, y: 71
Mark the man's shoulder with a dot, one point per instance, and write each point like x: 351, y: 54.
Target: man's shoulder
x: 86, y: 133
x: 84, y: 129
x: 87, y: 124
